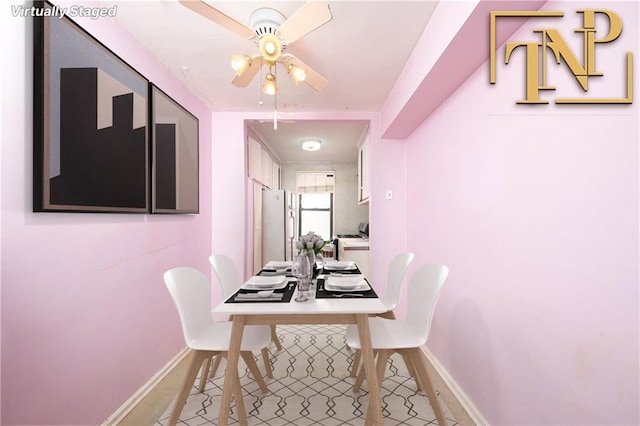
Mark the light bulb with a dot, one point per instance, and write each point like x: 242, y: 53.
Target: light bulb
x: 297, y: 74
x: 240, y: 63
x: 269, y: 86
x: 270, y: 47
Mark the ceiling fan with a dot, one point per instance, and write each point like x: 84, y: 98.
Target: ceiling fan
x: 272, y: 33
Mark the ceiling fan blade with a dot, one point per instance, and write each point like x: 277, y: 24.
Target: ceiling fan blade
x: 309, y: 17
x: 218, y: 17
x: 313, y: 78
x: 246, y: 77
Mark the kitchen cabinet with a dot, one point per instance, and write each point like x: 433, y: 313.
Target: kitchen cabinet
x: 275, y: 179
x: 363, y: 172
x: 267, y: 170
x: 261, y: 167
x: 255, y: 159
x: 355, y: 250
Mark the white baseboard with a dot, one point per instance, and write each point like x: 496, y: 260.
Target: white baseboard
x: 120, y: 417
x: 456, y: 390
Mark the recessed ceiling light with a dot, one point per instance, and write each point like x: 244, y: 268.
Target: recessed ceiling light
x: 311, y: 145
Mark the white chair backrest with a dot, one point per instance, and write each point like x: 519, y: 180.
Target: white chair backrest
x: 424, y: 290
x: 395, y: 278
x: 227, y: 273
x: 191, y: 292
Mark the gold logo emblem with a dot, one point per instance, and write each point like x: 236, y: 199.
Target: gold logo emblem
x: 551, y: 39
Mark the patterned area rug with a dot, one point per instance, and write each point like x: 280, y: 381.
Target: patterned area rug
x: 311, y: 386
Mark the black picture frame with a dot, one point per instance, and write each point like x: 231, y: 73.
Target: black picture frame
x: 91, y: 133
x: 175, y: 156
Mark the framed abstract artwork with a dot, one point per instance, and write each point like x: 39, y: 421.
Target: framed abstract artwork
x: 174, y: 160
x: 91, y: 112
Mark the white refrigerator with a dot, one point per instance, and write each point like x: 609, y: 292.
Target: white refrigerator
x: 278, y: 225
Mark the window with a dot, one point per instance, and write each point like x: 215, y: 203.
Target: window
x: 316, y: 214
x: 315, y: 206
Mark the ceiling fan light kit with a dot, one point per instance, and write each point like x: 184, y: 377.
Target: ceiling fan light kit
x: 272, y: 32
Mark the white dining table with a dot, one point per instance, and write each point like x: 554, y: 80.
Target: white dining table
x: 314, y: 311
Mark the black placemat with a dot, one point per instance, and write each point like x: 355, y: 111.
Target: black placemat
x: 356, y: 271
x: 273, y: 272
x: 321, y: 293
x: 287, y: 293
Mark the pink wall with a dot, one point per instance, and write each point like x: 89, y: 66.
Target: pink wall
x: 86, y: 318
x: 452, y: 46
x: 535, y: 210
x: 388, y: 218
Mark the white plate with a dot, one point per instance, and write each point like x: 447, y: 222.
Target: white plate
x: 355, y: 283
x: 277, y: 265
x: 339, y: 266
x: 265, y: 287
x: 266, y: 283
x: 363, y: 287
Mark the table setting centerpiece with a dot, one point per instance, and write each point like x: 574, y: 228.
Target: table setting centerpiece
x: 305, y: 264
x: 311, y: 245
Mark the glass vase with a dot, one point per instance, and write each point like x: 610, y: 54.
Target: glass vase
x: 313, y: 261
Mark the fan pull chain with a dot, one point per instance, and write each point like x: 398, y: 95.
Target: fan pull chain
x: 275, y: 103
x: 259, y: 86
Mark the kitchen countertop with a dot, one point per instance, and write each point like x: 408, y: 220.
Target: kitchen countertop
x: 355, y: 243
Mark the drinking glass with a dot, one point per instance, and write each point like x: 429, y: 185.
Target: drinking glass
x: 300, y: 269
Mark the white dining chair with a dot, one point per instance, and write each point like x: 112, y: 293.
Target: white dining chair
x: 396, y: 273
x: 227, y: 272
x: 407, y: 336
x: 191, y: 293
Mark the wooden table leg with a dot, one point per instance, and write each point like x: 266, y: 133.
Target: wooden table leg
x: 375, y: 402
x: 231, y: 378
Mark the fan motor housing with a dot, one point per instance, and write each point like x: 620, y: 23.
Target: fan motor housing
x: 266, y: 21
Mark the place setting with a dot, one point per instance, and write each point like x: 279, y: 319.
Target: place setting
x: 344, y: 286
x: 260, y: 288
x: 276, y: 268
x: 337, y: 268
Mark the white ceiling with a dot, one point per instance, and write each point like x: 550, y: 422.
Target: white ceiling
x: 361, y: 52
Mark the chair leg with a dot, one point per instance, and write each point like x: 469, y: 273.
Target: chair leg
x: 237, y: 396
x: 358, y: 383
x: 381, y: 364
x: 197, y: 357
x: 421, y: 367
x: 356, y: 363
x: 267, y: 363
x: 204, y: 376
x: 214, y: 368
x: 411, y: 369
x: 253, y: 367
x: 274, y: 337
